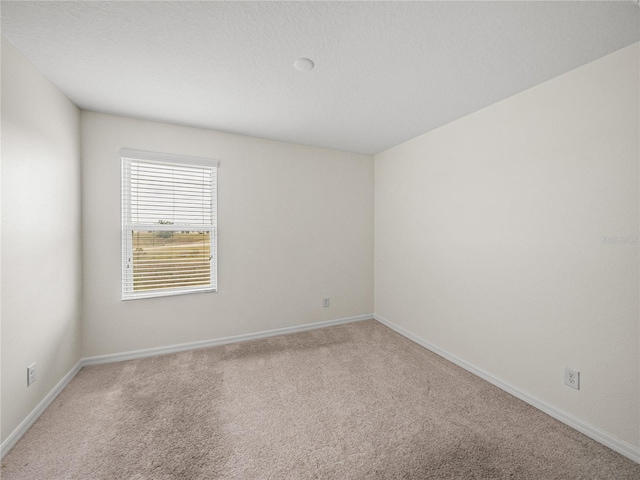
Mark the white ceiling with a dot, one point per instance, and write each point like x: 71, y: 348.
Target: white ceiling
x: 384, y: 72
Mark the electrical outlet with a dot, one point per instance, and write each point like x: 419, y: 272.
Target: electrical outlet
x: 31, y: 374
x: 572, y: 378
x: 325, y: 302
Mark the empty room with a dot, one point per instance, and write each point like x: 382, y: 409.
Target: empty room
x: 320, y: 240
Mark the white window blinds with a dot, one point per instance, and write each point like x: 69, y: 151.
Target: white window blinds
x: 168, y: 224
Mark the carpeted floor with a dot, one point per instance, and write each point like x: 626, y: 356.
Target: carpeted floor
x: 356, y: 401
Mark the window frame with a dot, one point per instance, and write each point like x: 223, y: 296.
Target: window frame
x: 127, y: 157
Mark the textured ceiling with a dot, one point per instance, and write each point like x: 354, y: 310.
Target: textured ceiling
x: 385, y: 71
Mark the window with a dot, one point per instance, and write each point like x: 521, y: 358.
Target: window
x: 168, y: 225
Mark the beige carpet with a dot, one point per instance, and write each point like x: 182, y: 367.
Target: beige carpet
x: 350, y: 402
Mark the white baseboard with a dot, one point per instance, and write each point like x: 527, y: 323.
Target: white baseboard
x: 36, y: 412
x: 152, y: 352
x: 623, y: 448
x: 598, y: 435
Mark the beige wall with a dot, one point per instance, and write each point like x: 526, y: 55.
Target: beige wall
x: 489, y: 241
x: 40, y: 236
x: 295, y: 225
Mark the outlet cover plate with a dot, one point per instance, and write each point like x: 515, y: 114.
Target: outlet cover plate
x: 572, y: 378
x: 31, y: 374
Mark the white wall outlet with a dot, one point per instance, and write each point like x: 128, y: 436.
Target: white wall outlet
x: 325, y: 302
x: 31, y: 374
x: 572, y: 378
